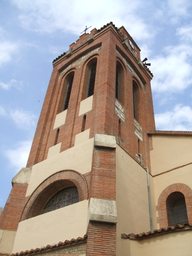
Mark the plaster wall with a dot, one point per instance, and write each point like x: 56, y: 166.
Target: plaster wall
x: 81, y: 137
x: 6, y: 241
x: 54, y: 150
x: 78, y: 158
x: 169, y: 152
x: 52, y: 227
x: 60, y: 119
x: 86, y: 105
x: 177, y: 244
x: 170, y: 163
x: 131, y: 197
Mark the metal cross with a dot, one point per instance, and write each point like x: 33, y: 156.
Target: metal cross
x: 85, y: 30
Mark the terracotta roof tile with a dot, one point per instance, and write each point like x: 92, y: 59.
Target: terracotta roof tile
x: 169, y: 132
x: 157, y: 232
x: 53, y: 246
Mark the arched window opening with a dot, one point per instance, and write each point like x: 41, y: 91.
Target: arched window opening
x: 176, y: 209
x: 56, y: 137
x: 68, y: 90
x: 136, y: 99
x: 83, y: 123
x: 64, y: 197
x: 119, y: 82
x: 89, y: 81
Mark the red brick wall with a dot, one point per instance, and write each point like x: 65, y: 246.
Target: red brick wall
x: 101, y: 239
x: 11, y: 214
x: 102, y: 119
x: 103, y: 175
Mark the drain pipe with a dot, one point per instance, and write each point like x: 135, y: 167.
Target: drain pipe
x: 149, y: 198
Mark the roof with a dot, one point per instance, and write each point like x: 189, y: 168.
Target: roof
x: 49, y: 247
x: 157, y: 232
x: 99, y: 30
x: 170, y: 133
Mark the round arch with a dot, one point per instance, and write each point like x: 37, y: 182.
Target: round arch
x: 120, y: 81
x: 52, y: 185
x: 63, y: 88
x: 137, y: 82
x: 162, y: 208
x: 89, y: 71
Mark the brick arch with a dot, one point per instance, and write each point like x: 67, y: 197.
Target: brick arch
x: 162, y: 208
x: 62, y: 88
x: 52, y: 185
x: 136, y: 80
x: 85, y: 75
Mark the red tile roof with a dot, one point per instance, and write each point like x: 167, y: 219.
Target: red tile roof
x: 49, y: 247
x: 157, y: 232
x: 169, y: 132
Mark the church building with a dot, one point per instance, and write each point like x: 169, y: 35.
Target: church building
x: 100, y: 179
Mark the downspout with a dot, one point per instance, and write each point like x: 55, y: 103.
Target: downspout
x: 149, y: 199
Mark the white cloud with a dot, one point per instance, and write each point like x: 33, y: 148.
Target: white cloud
x: 7, y: 49
x: 72, y: 16
x: 2, y: 111
x: 23, y: 120
x: 185, y: 33
x: 145, y: 51
x: 179, y: 8
x: 180, y: 119
x: 18, y: 156
x: 172, y: 70
x: 11, y: 83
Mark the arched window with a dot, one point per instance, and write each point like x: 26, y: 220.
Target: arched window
x: 176, y: 209
x: 66, y: 92
x: 119, y: 82
x: 64, y: 197
x: 89, y: 82
x: 136, y: 101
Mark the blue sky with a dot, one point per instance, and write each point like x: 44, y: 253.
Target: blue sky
x: 34, y: 32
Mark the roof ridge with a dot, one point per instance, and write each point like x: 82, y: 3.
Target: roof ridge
x: 53, y: 246
x: 155, y: 232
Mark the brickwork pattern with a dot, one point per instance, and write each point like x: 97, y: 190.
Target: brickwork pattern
x: 11, y: 214
x: 103, y: 175
x: 102, y: 118
x: 162, y: 209
x: 52, y: 185
x: 101, y: 239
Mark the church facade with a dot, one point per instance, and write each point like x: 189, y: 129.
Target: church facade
x: 100, y: 179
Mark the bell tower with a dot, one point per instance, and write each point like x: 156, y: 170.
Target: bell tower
x: 85, y: 176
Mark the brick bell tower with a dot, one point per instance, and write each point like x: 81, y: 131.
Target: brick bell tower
x: 85, y: 180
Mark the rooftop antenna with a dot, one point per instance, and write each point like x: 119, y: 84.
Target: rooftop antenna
x: 85, y: 30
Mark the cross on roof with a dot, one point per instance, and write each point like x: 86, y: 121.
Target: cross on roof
x: 85, y: 30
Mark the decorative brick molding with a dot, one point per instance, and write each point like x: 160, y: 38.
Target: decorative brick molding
x: 50, y: 186
x: 162, y: 208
